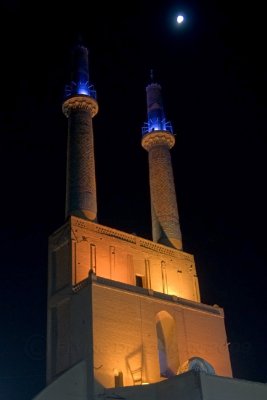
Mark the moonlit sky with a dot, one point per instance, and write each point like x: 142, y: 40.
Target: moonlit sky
x: 212, y: 69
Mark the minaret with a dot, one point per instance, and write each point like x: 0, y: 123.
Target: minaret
x: 158, y: 139
x: 80, y: 106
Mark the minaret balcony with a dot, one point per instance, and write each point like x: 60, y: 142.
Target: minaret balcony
x: 157, y: 125
x: 83, y: 88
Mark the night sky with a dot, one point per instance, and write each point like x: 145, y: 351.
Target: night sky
x: 213, y: 72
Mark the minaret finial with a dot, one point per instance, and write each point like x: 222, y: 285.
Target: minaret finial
x: 80, y: 82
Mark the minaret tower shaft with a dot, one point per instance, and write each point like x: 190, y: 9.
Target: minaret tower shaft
x: 80, y: 106
x: 158, y: 139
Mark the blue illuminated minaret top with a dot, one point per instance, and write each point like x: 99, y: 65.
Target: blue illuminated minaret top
x: 80, y: 74
x: 155, y: 113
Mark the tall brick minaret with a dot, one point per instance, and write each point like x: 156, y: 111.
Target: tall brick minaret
x: 80, y: 106
x: 158, y: 139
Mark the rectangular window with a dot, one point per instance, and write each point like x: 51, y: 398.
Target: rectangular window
x: 139, y: 280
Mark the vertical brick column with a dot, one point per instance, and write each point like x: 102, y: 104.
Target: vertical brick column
x: 164, y: 210
x: 81, y: 181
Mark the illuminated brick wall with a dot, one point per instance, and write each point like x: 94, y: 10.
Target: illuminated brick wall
x: 126, y: 338
x: 127, y: 258
x: 144, y: 294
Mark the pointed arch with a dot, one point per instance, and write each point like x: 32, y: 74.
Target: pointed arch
x: 167, y: 344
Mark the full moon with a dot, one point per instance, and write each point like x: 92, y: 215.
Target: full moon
x: 180, y: 19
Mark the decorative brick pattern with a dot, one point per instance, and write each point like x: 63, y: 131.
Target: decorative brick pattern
x: 164, y: 211
x: 81, y: 183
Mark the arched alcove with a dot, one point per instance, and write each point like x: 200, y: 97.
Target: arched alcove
x: 167, y: 344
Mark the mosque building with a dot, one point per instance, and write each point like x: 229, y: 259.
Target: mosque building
x: 125, y: 318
